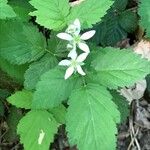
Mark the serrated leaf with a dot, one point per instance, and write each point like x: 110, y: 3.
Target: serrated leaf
x: 21, y: 99
x: 57, y: 47
x: 145, y: 15
x: 37, y: 130
x: 89, y: 12
x: 59, y: 113
x: 119, y: 5
x: 14, y: 71
x: 12, y: 121
x: 53, y: 89
x: 36, y: 69
x: 20, y: 43
x: 128, y: 20
x: 51, y: 13
x: 118, y: 68
x: 22, y: 9
x: 122, y: 104
x: 92, y: 118
x: 109, y: 32
x: 5, y: 10
x: 115, y: 24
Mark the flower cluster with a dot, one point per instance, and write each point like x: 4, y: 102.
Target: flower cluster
x: 75, y: 40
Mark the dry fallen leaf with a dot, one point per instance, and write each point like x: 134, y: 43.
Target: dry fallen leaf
x: 143, y: 48
x: 135, y: 92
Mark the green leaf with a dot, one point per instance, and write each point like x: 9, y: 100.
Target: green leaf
x: 122, y: 104
x: 118, y: 68
x: 12, y: 121
x: 92, y: 118
x: 36, y: 69
x: 14, y: 71
x: 51, y: 13
x: 37, y: 130
x: 89, y: 12
x: 20, y: 43
x: 59, y: 113
x: 5, y: 10
x: 128, y: 20
x: 22, y: 9
x: 145, y: 16
x: 57, y: 47
x: 109, y: 32
x: 21, y: 99
x: 53, y: 89
x: 115, y: 24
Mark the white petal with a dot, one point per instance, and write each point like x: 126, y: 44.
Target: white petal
x: 73, y: 54
x: 64, y: 63
x: 84, y: 47
x: 65, y: 36
x: 71, y: 29
x: 82, y: 57
x: 69, y: 72
x: 80, y: 70
x: 88, y: 35
x: 77, y: 24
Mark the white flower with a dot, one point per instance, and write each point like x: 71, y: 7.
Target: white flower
x: 74, y: 65
x: 72, y: 35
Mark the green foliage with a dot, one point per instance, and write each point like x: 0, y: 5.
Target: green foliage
x: 14, y: 71
x: 37, y: 130
x: 6, y: 10
x: 37, y: 68
x: 51, y: 13
x: 57, y: 14
x: 88, y: 11
x: 24, y: 43
x: 21, y: 99
x: 53, y: 89
x: 145, y: 16
x: 122, y: 68
x: 59, y: 113
x: 122, y: 104
x: 115, y: 24
x: 92, y: 104
x: 29, y: 53
x: 21, y: 8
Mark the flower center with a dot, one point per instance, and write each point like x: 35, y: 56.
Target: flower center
x: 74, y: 63
x: 77, y: 39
